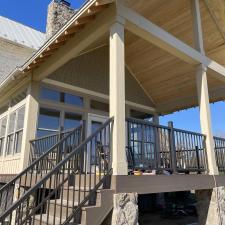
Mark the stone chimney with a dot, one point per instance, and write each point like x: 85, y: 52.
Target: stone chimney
x: 59, y: 12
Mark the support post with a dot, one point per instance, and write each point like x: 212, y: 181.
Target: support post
x: 117, y: 98
x: 30, y: 120
x: 205, y: 118
x: 202, y: 89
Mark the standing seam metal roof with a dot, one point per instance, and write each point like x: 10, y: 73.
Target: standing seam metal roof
x: 21, y: 34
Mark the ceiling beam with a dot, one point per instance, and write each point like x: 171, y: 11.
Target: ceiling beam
x: 154, y: 34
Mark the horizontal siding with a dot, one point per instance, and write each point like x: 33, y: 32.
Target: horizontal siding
x: 10, y: 165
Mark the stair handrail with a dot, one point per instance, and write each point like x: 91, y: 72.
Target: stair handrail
x: 34, y: 150
x: 31, y: 167
x: 56, y: 170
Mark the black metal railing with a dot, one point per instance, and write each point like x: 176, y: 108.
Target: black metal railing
x: 58, y: 197
x: 157, y: 147
x: 220, y: 153
x: 39, y: 146
x: 39, y: 168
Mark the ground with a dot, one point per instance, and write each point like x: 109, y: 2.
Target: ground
x: 156, y: 219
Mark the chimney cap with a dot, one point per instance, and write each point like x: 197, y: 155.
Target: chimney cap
x: 64, y: 2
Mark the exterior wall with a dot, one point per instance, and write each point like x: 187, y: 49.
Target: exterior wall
x: 91, y: 79
x: 91, y: 71
x: 12, y: 55
x: 11, y: 163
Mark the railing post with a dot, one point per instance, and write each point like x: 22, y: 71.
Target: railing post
x: 82, y: 138
x: 197, y: 158
x: 172, y: 147
x: 157, y: 147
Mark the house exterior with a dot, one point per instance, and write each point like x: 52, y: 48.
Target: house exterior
x: 117, y: 65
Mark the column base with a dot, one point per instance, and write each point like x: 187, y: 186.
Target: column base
x: 125, y: 210
x: 211, y: 206
x: 120, y: 168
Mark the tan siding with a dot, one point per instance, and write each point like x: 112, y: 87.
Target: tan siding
x: 12, y: 55
x: 91, y: 71
x: 10, y: 165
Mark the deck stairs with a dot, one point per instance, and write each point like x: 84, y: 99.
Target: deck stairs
x: 67, y: 184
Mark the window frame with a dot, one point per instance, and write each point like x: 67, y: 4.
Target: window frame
x: 14, y: 134
x: 62, y: 110
x: 62, y: 95
x: 3, y: 137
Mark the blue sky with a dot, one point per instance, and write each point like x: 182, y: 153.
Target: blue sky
x: 29, y: 12
x: 33, y: 13
x: 189, y: 119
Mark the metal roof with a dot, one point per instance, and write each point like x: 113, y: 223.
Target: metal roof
x: 21, y: 34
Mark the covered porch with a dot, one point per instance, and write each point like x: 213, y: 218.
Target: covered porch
x: 177, y: 65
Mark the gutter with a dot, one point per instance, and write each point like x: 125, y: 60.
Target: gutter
x: 18, y: 71
x: 15, y: 74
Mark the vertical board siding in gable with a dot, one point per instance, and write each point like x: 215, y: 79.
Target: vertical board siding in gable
x: 91, y: 71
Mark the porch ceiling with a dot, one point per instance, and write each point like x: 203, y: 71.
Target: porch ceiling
x: 169, y: 81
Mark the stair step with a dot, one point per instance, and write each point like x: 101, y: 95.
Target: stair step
x: 59, y: 207
x: 50, y: 220
x: 46, y: 220
x: 63, y: 208
x: 75, y: 195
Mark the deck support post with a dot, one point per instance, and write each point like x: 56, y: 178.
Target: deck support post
x: 30, y: 120
x: 205, y: 118
x: 202, y: 89
x: 117, y: 98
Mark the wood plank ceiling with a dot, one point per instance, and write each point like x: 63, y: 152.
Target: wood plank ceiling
x: 169, y: 81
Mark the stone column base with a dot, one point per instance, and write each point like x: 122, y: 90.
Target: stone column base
x: 211, y: 206
x: 125, y: 210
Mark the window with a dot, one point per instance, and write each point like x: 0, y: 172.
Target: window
x: 73, y: 100
x: 54, y: 95
x: 3, y: 123
x: 48, y: 122
x: 15, y: 131
x: 19, y: 129
x: 101, y: 106
x: 141, y: 115
x: 71, y: 120
x: 50, y: 94
x: 10, y: 137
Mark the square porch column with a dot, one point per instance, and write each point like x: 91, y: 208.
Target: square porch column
x: 202, y: 88
x: 30, y: 122
x: 117, y: 98
x: 205, y: 117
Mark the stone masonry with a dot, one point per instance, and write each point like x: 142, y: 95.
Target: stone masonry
x: 125, y: 209
x: 211, y: 206
x: 58, y: 14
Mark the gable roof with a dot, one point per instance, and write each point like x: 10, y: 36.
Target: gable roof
x: 84, y: 15
x: 21, y: 34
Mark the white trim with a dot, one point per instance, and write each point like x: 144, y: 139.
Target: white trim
x: 197, y: 26
x: 94, y: 117
x: 93, y: 93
